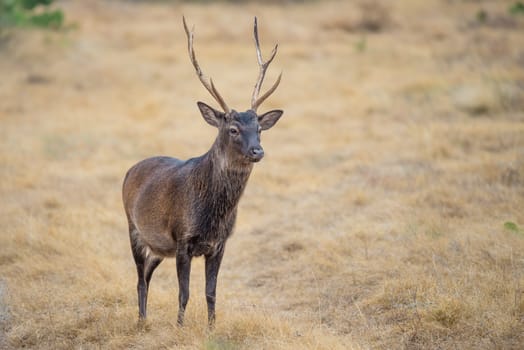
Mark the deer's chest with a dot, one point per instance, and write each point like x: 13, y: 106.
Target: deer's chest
x: 211, y: 230
x: 213, y: 213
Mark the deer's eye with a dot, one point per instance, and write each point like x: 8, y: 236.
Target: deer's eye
x: 233, y: 131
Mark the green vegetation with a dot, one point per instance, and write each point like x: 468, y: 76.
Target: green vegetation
x: 517, y: 8
x: 482, y: 16
x: 30, y: 13
x: 361, y: 44
x: 511, y: 226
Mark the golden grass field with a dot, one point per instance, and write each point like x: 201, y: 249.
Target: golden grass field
x: 387, y: 214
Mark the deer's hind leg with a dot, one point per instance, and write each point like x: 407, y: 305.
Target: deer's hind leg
x: 146, y: 263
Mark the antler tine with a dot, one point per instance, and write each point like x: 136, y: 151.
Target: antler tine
x: 267, y: 94
x: 255, y: 100
x: 208, y: 85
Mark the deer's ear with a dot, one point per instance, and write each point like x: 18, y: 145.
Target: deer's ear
x: 268, y: 119
x: 211, y: 115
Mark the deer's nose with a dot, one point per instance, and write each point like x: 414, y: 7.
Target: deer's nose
x: 256, y: 153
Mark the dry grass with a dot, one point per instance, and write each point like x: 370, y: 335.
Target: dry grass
x: 376, y: 220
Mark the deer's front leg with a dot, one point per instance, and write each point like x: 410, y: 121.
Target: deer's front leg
x: 183, y: 269
x: 212, y: 267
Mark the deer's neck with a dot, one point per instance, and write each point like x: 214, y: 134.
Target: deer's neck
x: 227, y: 171
x: 223, y: 178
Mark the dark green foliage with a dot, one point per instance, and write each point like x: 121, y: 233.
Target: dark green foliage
x: 22, y: 13
x: 31, y: 4
x: 52, y: 19
x: 517, y: 8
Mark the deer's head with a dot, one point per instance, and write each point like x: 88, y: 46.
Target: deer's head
x: 239, y: 132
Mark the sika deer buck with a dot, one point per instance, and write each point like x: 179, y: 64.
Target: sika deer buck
x: 185, y: 209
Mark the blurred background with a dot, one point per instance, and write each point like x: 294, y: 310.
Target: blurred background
x: 387, y: 213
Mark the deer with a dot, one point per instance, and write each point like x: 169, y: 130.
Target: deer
x: 188, y: 208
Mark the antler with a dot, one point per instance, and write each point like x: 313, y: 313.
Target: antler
x: 255, y: 100
x: 208, y: 85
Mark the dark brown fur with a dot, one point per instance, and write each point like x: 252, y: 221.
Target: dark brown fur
x: 185, y: 209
